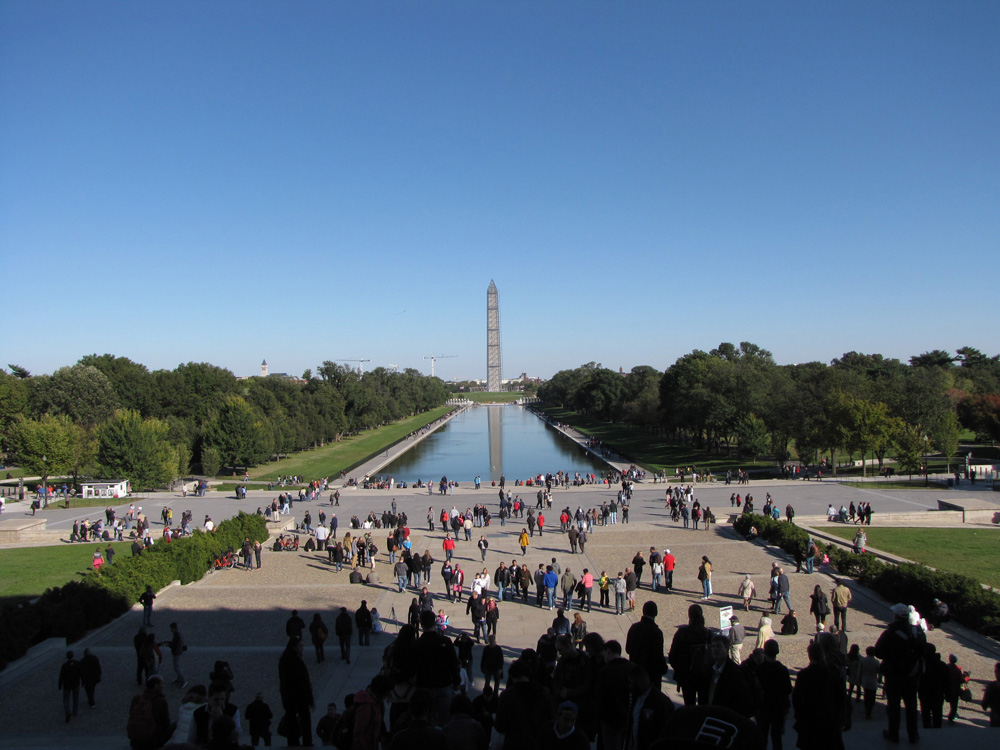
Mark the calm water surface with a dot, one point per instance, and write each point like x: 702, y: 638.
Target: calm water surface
x: 488, y: 441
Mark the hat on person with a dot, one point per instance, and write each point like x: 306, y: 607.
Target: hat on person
x: 900, y: 610
x: 568, y: 706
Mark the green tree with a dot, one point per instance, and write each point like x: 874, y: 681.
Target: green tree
x: 82, y: 392
x: 136, y: 449
x: 45, y: 446
x: 944, y: 435
x: 911, y: 448
x: 753, y: 436
x: 239, y: 433
x: 132, y: 382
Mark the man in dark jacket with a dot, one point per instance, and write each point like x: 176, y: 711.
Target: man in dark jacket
x: 900, y: 648
x: 344, y: 630
x: 724, y: 683
x: 363, y: 619
x: 69, y: 683
x: 437, y: 666
x: 688, y: 652
x: 90, y: 674
x: 296, y: 693
x: 644, y: 645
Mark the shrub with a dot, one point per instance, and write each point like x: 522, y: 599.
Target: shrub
x: 970, y: 604
x: 70, y: 611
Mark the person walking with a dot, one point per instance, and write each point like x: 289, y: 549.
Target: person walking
x: 318, y: 633
x: 523, y: 541
x: 69, y: 683
x: 747, y: 591
x: 90, y: 674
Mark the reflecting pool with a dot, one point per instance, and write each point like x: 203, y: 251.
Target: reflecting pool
x: 488, y: 441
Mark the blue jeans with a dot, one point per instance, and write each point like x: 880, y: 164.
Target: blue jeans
x: 568, y: 600
x: 656, y: 581
x: 500, y: 590
x: 619, y: 602
x: 810, y: 561
x: 782, y: 598
x: 551, y: 594
x: 401, y: 582
x: 706, y: 587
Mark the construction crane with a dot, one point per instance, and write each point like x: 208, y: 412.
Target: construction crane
x: 434, y: 357
x: 361, y: 364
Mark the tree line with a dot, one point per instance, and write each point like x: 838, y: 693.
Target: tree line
x: 110, y: 416
x: 739, y: 398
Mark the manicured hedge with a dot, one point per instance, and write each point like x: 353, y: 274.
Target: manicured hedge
x: 970, y: 604
x: 70, y: 611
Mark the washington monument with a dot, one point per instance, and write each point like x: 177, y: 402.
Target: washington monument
x: 494, y: 379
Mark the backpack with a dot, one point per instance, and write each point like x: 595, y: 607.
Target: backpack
x: 141, y: 722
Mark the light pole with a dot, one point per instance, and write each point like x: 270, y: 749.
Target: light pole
x: 45, y: 477
x: 927, y: 481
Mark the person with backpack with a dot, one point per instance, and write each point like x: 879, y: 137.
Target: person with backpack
x: 149, y: 726
x: 900, y: 648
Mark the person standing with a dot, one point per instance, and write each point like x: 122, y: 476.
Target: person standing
x: 705, y: 576
x: 296, y: 692
x: 363, y: 619
x: 177, y: 649
x: 620, y: 589
x: 146, y: 600
x: 258, y: 715
x: 901, y: 648
x: 344, y: 629
x: 90, y: 674
x: 782, y: 591
x: 69, y: 683
x: 737, y: 634
x: 776, y: 691
x: 819, y: 700
x: 841, y: 598
x: 687, y: 653
x: 669, y: 563
x: 644, y: 645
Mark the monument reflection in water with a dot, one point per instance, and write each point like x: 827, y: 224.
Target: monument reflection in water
x: 489, y: 441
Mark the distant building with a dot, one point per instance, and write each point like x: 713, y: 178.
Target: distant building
x: 494, y: 365
x: 263, y: 369
x: 105, y: 489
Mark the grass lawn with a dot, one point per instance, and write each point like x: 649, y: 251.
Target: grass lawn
x: 28, y: 571
x: 329, y: 460
x: 648, y: 449
x: 972, y: 552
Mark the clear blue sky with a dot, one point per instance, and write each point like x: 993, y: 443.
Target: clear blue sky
x: 302, y: 181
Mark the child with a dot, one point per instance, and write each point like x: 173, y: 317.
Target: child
x: 442, y: 621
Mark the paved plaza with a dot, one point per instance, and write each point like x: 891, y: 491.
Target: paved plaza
x: 239, y: 616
